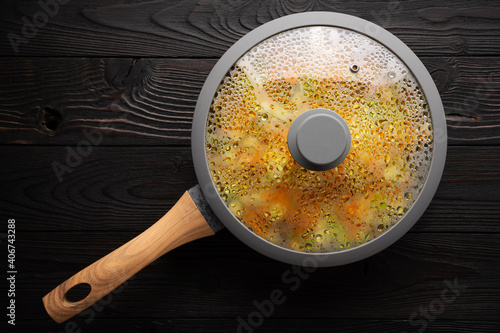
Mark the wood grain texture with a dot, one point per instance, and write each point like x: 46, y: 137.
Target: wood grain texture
x: 182, y: 224
x: 270, y: 325
x: 55, y: 101
x: 129, y: 188
x: 135, y: 68
x: 192, y: 28
x: 220, y: 277
x: 138, y: 101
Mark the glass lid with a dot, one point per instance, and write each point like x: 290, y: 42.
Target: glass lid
x: 319, y: 139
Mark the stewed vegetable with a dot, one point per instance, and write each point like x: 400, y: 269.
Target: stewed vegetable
x: 312, y: 211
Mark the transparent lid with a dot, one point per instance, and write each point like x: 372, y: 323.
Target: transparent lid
x: 382, y: 171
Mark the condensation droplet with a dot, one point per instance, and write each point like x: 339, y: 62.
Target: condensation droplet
x: 292, y: 72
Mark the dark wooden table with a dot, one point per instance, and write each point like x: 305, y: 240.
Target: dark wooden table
x: 137, y: 67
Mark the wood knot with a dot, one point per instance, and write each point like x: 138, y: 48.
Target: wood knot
x: 440, y: 77
x: 458, y: 45
x: 51, y: 118
x: 121, y: 73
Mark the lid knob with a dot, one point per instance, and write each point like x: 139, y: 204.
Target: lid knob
x: 319, y: 139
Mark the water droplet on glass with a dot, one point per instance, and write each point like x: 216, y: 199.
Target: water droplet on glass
x: 370, y: 185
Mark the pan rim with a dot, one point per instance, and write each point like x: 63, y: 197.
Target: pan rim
x: 270, y: 29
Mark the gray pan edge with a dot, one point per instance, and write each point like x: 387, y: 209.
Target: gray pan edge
x: 319, y: 19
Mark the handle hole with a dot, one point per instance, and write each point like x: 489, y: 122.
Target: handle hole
x: 78, y: 292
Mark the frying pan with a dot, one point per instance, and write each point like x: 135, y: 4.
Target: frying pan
x: 202, y: 210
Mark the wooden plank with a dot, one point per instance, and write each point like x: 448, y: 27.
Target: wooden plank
x: 221, y: 277
x: 269, y: 325
x: 129, y: 188
x: 52, y: 101
x: 468, y: 91
x: 136, y: 67
x: 191, y: 28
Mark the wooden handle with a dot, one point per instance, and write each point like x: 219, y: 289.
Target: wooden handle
x: 182, y: 224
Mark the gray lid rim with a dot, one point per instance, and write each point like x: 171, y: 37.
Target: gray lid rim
x: 334, y: 20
